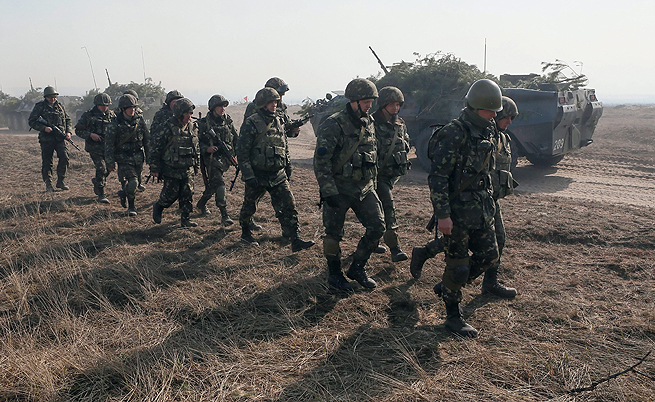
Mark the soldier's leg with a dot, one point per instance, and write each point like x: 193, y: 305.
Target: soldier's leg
x: 369, y: 213
x: 62, y: 164
x: 490, y: 282
x: 100, y: 179
x: 213, y: 182
x: 484, y: 250
x: 251, y: 196
x: 285, y: 210
x: 47, y: 153
x: 333, y: 221
x: 186, y: 201
x: 129, y: 173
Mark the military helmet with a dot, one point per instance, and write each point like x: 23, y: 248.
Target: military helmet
x: 182, y: 106
x: 360, y: 89
x: 102, y: 99
x: 277, y: 84
x: 127, y: 101
x: 509, y: 109
x: 49, y: 91
x: 485, y: 94
x: 131, y: 92
x: 217, y: 100
x: 171, y: 96
x: 266, y: 95
x: 390, y: 94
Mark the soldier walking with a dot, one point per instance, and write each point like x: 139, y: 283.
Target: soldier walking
x: 393, y: 146
x: 262, y: 155
x: 92, y: 126
x: 54, y: 113
x: 345, y: 164
x: 127, y: 143
x: 217, y: 136
x: 176, y: 158
x: 166, y: 110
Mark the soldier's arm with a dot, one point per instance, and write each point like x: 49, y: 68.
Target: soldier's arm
x: 444, y: 152
x: 110, y: 140
x: 326, y: 143
x: 34, y: 116
x: 235, y: 136
x: 68, y: 126
x: 146, y: 139
x: 158, y: 141
x: 244, y: 145
x: 81, y: 128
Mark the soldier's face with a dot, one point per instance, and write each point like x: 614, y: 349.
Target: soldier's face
x: 504, y: 123
x: 129, y: 111
x: 392, y: 108
x: 103, y: 108
x: 486, y: 114
x: 51, y: 99
x: 364, y: 104
x: 172, y: 103
x: 219, y: 110
x: 186, y: 117
x: 271, y: 106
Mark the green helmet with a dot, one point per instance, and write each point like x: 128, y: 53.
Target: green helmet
x: 131, y: 92
x: 390, y: 94
x: 171, y: 96
x: 217, y: 100
x: 127, y: 101
x: 360, y: 89
x: 49, y: 91
x: 182, y: 106
x: 102, y: 99
x: 277, y: 84
x: 509, y: 109
x: 264, y: 96
x: 485, y: 94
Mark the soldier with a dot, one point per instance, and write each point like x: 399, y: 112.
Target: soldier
x: 92, y: 126
x: 345, y: 164
x: 55, y: 115
x: 262, y: 155
x: 461, y: 194
x: 393, y: 146
x: 127, y: 143
x: 214, y: 129
x: 166, y: 111
x: 176, y: 157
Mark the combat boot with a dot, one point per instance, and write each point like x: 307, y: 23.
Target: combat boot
x: 185, y: 222
x: 298, y: 244
x: 397, y: 254
x: 490, y: 285
x: 48, y: 187
x: 101, y: 196
x: 253, y: 226
x: 96, y: 187
x: 202, y: 205
x: 438, y: 290
x: 380, y: 249
x: 61, y: 185
x: 131, y: 209
x: 157, y: 211
x: 141, y: 187
x: 357, y: 272
x: 419, y: 256
x: 123, y: 197
x: 336, y: 279
x: 225, y: 217
x: 246, y: 236
x: 455, y: 323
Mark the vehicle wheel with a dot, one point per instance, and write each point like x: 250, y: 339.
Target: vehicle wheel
x: 545, y: 160
x: 421, y: 145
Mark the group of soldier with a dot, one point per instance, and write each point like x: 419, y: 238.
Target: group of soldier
x: 358, y: 159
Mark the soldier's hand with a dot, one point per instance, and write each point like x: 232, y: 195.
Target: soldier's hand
x: 111, y: 168
x: 68, y: 136
x: 212, y: 149
x: 154, y: 174
x: 47, y: 130
x: 333, y: 201
x: 95, y: 137
x: 445, y: 225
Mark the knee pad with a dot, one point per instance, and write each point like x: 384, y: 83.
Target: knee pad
x: 459, y: 269
x: 331, y: 248
x: 131, y: 185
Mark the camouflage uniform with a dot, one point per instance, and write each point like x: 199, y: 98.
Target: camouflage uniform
x: 51, y: 142
x: 176, y: 158
x: 97, y: 122
x: 215, y: 163
x: 161, y: 117
x: 127, y: 143
x: 392, y: 163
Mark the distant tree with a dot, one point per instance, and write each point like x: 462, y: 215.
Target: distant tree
x: 8, y: 103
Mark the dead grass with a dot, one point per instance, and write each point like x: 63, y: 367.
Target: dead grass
x: 98, y: 307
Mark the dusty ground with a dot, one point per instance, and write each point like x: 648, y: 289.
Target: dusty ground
x: 98, y: 307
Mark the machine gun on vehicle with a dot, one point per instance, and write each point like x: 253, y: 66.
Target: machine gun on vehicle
x: 57, y: 131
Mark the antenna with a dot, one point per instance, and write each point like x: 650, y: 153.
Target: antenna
x: 485, y: 56
x: 91, y: 65
x: 31, y: 86
x: 143, y: 62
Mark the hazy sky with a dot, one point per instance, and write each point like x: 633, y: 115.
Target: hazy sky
x: 233, y: 47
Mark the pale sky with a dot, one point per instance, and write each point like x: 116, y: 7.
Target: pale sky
x: 232, y: 47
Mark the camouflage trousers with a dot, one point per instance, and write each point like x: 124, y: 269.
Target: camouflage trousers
x: 216, y: 185
x: 48, y: 149
x: 177, y: 189
x: 101, y: 168
x: 384, y: 190
x: 500, y: 232
x: 283, y: 203
x: 128, y: 174
x: 369, y: 213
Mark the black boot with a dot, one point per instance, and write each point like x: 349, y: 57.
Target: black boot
x: 298, y: 244
x: 202, y: 205
x: 101, y: 196
x: 96, y: 187
x: 131, y: 209
x: 455, y: 323
x: 225, y: 217
x: 357, y: 272
x: 185, y: 222
x: 397, y: 254
x: 157, y: 211
x: 246, y: 236
x: 419, y: 256
x: 61, y: 185
x: 490, y: 285
x: 253, y: 226
x: 123, y: 197
x: 380, y: 249
x: 336, y: 279
x: 48, y: 187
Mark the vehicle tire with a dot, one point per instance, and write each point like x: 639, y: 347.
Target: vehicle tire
x: 545, y: 160
x: 421, y: 145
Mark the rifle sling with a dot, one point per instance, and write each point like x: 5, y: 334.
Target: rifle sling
x: 351, y: 151
x: 391, y: 149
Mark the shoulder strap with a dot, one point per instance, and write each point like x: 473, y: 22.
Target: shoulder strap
x: 471, y: 179
x: 391, y: 149
x: 351, y: 151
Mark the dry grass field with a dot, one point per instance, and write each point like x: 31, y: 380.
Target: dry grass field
x: 96, y: 306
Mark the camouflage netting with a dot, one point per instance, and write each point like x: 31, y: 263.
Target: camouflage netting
x: 553, y: 74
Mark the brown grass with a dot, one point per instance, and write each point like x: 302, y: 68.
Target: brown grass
x: 98, y: 307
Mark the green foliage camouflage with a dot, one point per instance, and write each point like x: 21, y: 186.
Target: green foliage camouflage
x: 553, y: 73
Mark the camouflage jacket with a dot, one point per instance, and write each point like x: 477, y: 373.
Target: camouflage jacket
x: 126, y: 139
x: 176, y: 149
x: 224, y: 128
x: 458, y: 152
x: 55, y: 115
x: 262, y: 149
x: 96, y: 122
x: 337, y: 173
x: 161, y: 116
x: 397, y: 163
x: 281, y: 112
x: 501, y: 178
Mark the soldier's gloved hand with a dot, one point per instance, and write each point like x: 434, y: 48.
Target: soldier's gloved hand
x: 288, y: 170
x: 332, y: 201
x: 252, y: 182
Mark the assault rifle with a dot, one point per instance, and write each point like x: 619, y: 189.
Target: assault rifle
x: 227, y: 153
x: 293, y: 124
x: 57, y: 131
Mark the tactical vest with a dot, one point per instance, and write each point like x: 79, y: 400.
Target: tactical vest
x: 502, y: 179
x: 361, y: 166
x: 397, y: 162
x: 93, y: 121
x: 55, y: 116
x: 268, y: 150
x: 181, y: 149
